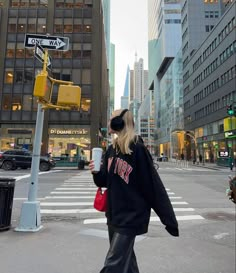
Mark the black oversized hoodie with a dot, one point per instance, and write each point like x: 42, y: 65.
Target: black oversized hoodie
x: 134, y: 187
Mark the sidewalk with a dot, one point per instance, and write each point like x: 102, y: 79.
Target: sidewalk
x: 64, y: 247
x: 213, y: 166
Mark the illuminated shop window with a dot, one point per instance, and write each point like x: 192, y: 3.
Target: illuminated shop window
x: 8, y: 76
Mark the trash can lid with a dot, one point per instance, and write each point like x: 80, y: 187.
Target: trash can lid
x: 7, y: 179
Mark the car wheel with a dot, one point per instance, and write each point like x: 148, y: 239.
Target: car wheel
x: 44, y: 166
x: 7, y: 166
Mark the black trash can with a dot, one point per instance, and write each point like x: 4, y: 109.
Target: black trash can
x: 81, y: 164
x: 7, y: 187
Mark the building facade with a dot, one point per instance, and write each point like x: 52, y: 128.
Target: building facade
x: 164, y: 42
x: 209, y: 86
x: 85, y: 64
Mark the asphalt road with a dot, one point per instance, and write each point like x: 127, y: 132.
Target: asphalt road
x: 206, y: 219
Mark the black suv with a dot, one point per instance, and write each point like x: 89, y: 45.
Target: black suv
x: 13, y: 159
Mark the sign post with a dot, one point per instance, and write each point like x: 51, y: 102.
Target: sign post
x: 30, y: 219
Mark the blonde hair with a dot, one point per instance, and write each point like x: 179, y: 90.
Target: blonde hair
x: 127, y: 135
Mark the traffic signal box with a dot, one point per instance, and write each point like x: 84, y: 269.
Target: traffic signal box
x: 41, y: 86
x: 69, y: 95
x: 231, y: 110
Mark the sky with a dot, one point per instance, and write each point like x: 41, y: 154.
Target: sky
x: 129, y: 33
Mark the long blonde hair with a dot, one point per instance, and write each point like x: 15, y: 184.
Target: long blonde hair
x: 127, y: 135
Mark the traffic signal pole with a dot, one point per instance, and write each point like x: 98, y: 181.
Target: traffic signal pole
x: 30, y: 218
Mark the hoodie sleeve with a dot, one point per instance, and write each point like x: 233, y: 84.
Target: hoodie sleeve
x: 153, y: 189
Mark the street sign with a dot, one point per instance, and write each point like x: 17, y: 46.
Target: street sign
x: 49, y: 42
x: 40, y: 55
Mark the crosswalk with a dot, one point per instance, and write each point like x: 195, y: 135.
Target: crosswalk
x: 75, y: 197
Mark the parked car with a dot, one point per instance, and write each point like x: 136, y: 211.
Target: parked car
x: 13, y: 159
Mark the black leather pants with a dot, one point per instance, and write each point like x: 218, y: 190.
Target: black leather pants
x: 120, y: 257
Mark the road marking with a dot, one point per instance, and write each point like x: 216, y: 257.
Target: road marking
x: 152, y: 219
x: 28, y: 175
x: 220, y: 236
x: 23, y: 198
x: 70, y: 192
x: 84, y: 197
x: 57, y: 204
x: 79, y: 189
x: 77, y: 211
x: 70, y: 197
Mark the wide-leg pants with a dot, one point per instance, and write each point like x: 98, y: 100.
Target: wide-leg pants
x: 120, y: 257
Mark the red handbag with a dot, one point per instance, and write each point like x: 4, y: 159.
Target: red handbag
x: 100, y: 201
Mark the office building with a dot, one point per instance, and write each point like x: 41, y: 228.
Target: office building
x: 164, y: 43
x: 84, y: 63
x: 209, y: 86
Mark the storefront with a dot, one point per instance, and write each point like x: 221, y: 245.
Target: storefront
x: 218, y: 148
x: 62, y: 141
x: 16, y: 138
x: 69, y: 142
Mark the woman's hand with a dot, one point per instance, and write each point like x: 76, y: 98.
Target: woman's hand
x: 91, y: 166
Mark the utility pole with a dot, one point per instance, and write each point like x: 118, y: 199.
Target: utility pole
x: 30, y: 219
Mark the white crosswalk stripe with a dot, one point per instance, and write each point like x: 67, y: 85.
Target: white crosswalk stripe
x: 76, y: 195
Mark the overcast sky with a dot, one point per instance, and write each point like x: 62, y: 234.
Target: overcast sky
x: 129, y: 33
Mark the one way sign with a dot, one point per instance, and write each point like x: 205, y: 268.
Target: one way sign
x: 49, y: 42
x: 40, y: 55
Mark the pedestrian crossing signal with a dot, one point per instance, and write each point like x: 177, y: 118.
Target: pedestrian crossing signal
x: 230, y: 110
x: 104, y: 143
x: 41, y: 87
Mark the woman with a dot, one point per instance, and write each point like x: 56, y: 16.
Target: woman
x: 134, y: 187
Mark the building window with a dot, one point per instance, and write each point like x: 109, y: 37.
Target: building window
x: 86, y: 76
x: 41, y: 26
x: 8, y: 76
x: 27, y: 102
x: 16, y: 103
x: 85, y: 104
x: 20, y: 51
x: 6, y: 102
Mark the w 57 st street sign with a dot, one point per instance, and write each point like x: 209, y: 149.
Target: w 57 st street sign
x: 49, y: 42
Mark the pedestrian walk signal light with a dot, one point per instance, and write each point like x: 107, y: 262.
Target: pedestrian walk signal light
x: 41, y: 87
x: 230, y: 110
x: 69, y: 95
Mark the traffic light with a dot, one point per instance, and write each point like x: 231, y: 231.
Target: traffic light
x: 230, y: 110
x: 41, y: 86
x: 69, y: 95
x: 104, y: 143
